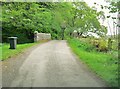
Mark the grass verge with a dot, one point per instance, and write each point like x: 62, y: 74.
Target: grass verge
x: 8, y: 53
x: 103, y: 64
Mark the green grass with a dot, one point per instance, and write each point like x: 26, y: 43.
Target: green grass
x: 0, y: 51
x: 8, y: 53
x: 103, y: 64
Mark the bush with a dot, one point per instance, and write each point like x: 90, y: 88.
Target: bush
x: 103, y: 46
x: 104, y: 64
x: 95, y: 42
x: 22, y: 37
x: 85, y: 45
x: 100, y: 44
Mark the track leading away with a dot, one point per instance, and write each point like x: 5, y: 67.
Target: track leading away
x: 52, y: 64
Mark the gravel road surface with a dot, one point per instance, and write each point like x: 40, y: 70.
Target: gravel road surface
x: 51, y: 64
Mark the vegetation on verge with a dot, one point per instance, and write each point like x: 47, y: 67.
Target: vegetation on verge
x: 22, y: 19
x: 104, y: 64
x: 8, y: 53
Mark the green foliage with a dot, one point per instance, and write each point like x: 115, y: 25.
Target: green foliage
x: 103, y: 64
x: 8, y: 53
x: 22, y: 19
x: 100, y: 44
x: 84, y: 46
x: 103, y: 46
x: 86, y: 19
x: 114, y: 7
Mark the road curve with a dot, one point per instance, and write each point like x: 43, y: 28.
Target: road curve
x: 52, y: 64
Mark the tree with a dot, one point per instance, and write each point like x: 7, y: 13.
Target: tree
x: 85, y: 18
x: 22, y: 19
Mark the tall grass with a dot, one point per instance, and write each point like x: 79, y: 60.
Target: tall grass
x: 8, y: 53
x: 103, y: 64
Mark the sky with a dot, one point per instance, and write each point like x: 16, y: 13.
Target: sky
x: 91, y: 2
x: 107, y: 22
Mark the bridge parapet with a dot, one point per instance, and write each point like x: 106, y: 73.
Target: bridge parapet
x: 41, y: 36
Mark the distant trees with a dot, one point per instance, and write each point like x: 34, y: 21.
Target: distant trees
x: 22, y: 19
x: 113, y: 22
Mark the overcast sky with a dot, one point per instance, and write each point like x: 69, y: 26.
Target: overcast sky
x: 91, y: 2
x: 107, y: 22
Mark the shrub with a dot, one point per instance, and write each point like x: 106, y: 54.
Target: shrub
x: 85, y: 45
x: 95, y: 43
x: 103, y: 46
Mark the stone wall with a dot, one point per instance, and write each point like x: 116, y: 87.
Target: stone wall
x: 41, y: 36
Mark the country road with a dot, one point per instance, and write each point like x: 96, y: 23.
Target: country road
x: 51, y: 64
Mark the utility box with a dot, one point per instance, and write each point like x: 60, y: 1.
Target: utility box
x: 13, y: 42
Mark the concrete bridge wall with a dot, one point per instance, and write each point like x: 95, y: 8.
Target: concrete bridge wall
x: 42, y: 36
